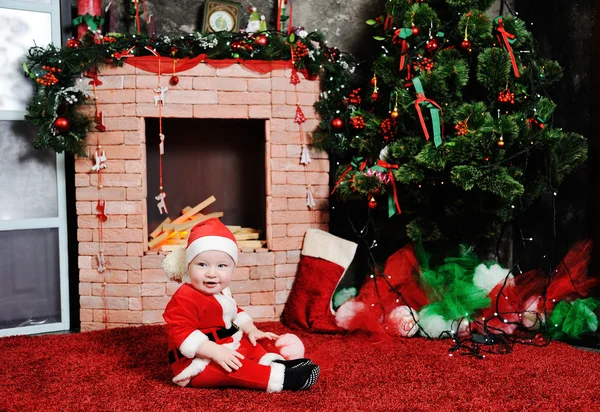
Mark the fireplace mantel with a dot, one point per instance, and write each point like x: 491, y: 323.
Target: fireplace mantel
x: 134, y: 289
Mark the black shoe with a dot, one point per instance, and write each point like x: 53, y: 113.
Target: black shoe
x: 302, y: 377
x: 291, y: 364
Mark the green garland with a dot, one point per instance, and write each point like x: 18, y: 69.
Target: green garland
x: 55, y: 70
x: 498, y: 152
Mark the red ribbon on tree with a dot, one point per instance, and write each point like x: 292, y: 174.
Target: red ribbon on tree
x: 389, y: 167
x: 355, y: 163
x: 505, y: 38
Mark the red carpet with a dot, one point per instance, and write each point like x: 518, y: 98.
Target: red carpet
x: 127, y: 370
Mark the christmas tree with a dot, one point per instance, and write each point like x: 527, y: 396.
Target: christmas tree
x: 453, y: 131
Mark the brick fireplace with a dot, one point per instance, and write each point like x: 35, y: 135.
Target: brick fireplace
x: 134, y: 288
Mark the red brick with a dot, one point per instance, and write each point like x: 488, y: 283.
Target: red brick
x: 123, y: 290
x: 129, y: 82
x: 259, y: 85
x: 287, y: 73
x: 110, y: 249
x: 220, y: 111
x: 125, y: 208
x: 277, y: 98
x: 297, y: 229
x: 97, y: 302
x: 82, y: 180
x: 135, y: 249
x: 242, y: 299
x: 134, y: 166
x: 260, y: 312
x: 104, y: 138
x: 134, y: 276
x: 83, y: 208
x: 172, y: 288
x: 155, y: 303
x: 85, y: 288
x: 295, y: 151
x: 152, y: 316
x: 112, y: 70
x: 278, y: 204
x: 241, y: 273
x: 115, y: 96
x: 84, y: 235
x: 91, y: 193
x: 305, y: 99
x: 220, y: 84
x: 90, y: 275
x: 291, y: 217
x: 168, y: 110
x: 237, y: 70
x: 280, y: 257
x: 121, y: 236
x: 152, y: 262
x: 91, y: 221
x: 244, y: 98
x: 85, y: 315
x: 278, y: 311
x: 299, y: 178
x: 287, y: 270
x: 291, y: 243
x: 287, y: 165
x: 283, y: 112
x: 135, y: 303
x: 84, y: 262
x: 91, y: 326
x: 136, y: 193
x: 154, y: 275
x: 248, y: 286
x: 281, y: 296
x: 123, y: 123
x: 284, y: 191
x: 153, y: 289
x: 123, y: 152
x: 300, y: 204
x: 293, y: 256
x: 123, y: 262
x: 124, y: 316
x: 135, y: 221
x: 259, y: 111
x: 118, y: 180
x: 262, y: 298
x: 111, y: 110
x: 151, y: 82
x: 262, y: 272
x: 134, y: 138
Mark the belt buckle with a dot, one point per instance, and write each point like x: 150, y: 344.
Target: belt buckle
x: 233, y: 325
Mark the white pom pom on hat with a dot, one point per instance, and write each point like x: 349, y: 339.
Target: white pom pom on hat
x: 208, y: 235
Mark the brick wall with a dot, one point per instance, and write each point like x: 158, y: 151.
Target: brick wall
x: 134, y: 288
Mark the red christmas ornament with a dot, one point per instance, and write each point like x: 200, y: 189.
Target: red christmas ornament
x: 261, y: 40
x: 73, y: 43
x: 415, y: 30
x: 174, y: 80
x: 432, y: 45
x: 173, y: 50
x: 337, y: 123
x: 394, y: 113
x: 375, y: 96
x: 372, y: 203
x: 466, y: 44
x: 62, y: 124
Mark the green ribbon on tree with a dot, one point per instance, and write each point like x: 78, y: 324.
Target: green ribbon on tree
x: 356, y: 163
x: 92, y: 21
x: 384, y: 167
x: 435, y: 112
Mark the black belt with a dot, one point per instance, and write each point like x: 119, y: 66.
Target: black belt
x: 219, y: 334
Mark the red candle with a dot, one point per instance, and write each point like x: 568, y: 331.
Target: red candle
x: 93, y: 7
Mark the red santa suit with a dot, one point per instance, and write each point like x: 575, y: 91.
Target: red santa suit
x: 192, y: 319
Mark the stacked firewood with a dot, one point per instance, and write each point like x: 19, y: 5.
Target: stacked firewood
x: 173, y: 234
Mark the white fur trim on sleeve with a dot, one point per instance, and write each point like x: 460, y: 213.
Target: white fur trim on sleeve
x: 276, y: 377
x: 323, y: 245
x: 190, y: 345
x: 244, y: 321
x: 269, y: 357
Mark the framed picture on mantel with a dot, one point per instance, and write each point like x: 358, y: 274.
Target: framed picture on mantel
x: 221, y: 15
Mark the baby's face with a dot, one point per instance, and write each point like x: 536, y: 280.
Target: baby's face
x: 211, y: 271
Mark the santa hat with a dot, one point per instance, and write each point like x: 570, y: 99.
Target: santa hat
x: 208, y: 235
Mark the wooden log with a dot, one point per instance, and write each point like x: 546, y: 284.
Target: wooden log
x: 233, y: 229
x: 195, y: 210
x: 246, y: 236
x: 180, y: 227
x: 251, y: 244
x: 159, y: 228
x: 159, y: 239
x: 246, y: 230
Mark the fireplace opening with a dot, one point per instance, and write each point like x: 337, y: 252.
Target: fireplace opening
x: 224, y: 158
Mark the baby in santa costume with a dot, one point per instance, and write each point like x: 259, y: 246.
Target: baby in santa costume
x: 212, y: 343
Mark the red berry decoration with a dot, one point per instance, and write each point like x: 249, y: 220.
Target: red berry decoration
x: 62, y: 124
x: 372, y: 203
x: 415, y: 30
x: 337, y: 123
x: 173, y: 50
x: 432, y: 45
x: 261, y: 40
x: 358, y: 122
x: 466, y: 44
x: 174, y: 80
x: 73, y: 43
x: 354, y: 97
x: 506, y: 96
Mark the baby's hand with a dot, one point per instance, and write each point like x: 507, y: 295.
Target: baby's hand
x: 257, y: 334
x: 227, y: 358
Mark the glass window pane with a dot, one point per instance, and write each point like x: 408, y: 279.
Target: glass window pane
x: 19, y: 30
x: 30, y: 278
x: 27, y: 176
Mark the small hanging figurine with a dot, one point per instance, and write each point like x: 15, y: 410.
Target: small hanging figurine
x: 253, y: 21
x: 161, y: 145
x: 100, y: 159
x: 160, y: 97
x: 162, y: 206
